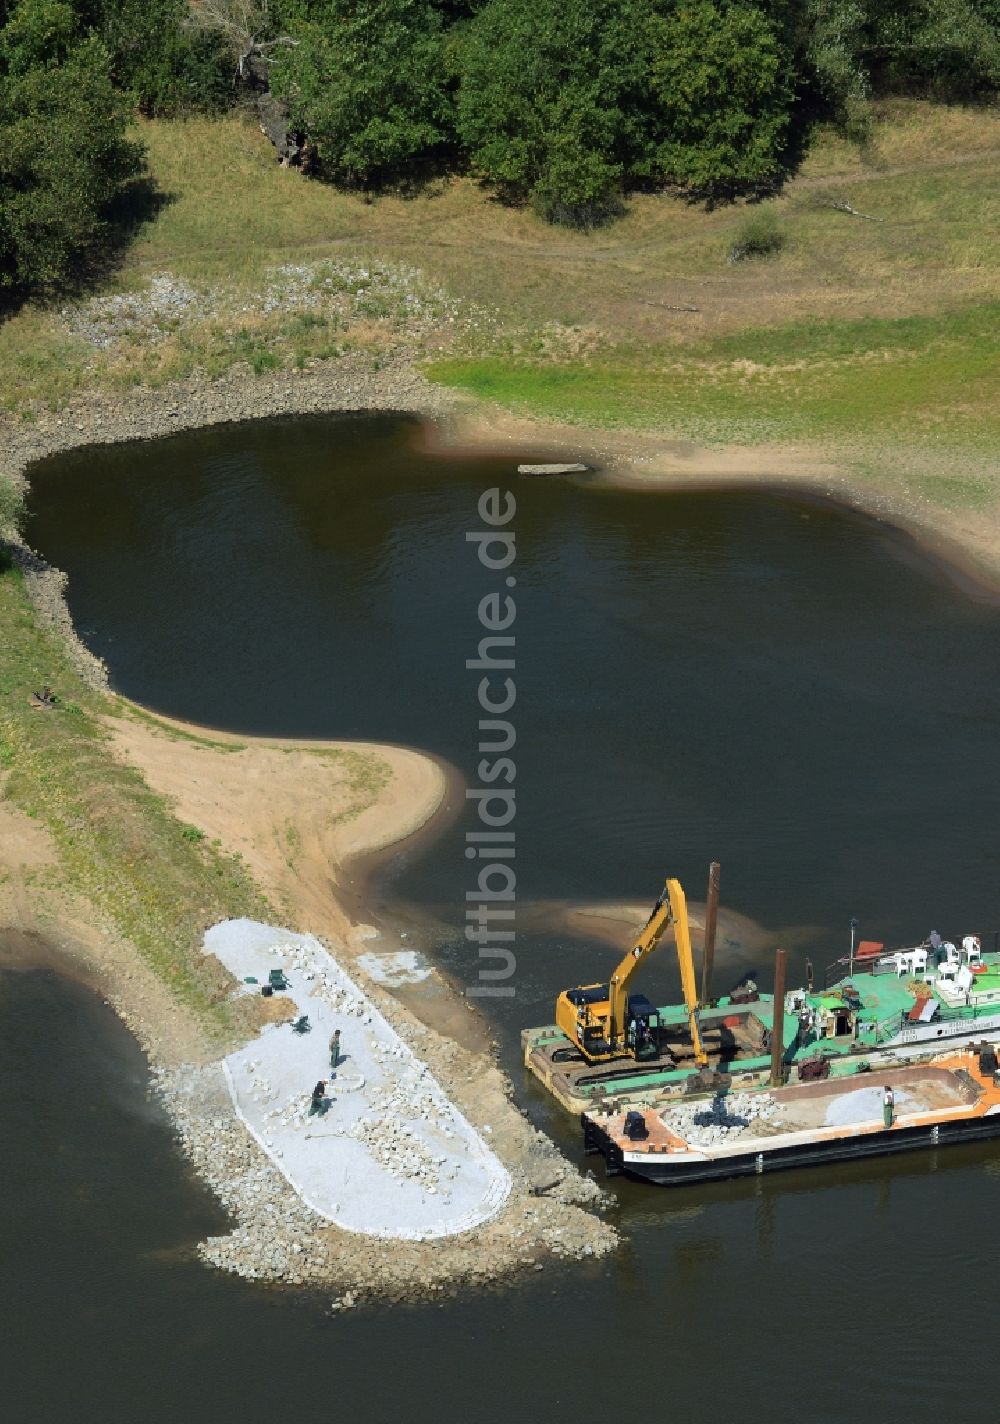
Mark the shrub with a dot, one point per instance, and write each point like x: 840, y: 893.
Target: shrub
x: 760, y: 234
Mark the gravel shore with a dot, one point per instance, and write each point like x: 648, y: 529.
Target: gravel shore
x: 551, y: 1212
x: 276, y: 1238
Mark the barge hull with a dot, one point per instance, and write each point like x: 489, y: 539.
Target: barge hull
x: 661, y: 1171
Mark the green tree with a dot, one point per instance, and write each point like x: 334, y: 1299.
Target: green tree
x: 852, y: 49
x: 64, y: 155
x: 552, y: 101
x: 832, y: 66
x: 366, y: 80
x: 169, y: 64
x: 944, y: 48
x: 723, y: 86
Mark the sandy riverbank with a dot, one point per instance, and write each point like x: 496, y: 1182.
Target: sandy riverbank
x: 300, y: 815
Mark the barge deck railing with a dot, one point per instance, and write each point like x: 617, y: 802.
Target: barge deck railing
x: 888, y: 1028
x: 882, y: 962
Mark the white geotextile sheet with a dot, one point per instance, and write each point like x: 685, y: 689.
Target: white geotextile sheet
x: 392, y: 1156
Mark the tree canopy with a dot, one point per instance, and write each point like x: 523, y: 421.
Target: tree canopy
x: 551, y: 99
x: 64, y: 154
x: 366, y: 80
x: 167, y: 63
x: 563, y: 103
x: 722, y: 90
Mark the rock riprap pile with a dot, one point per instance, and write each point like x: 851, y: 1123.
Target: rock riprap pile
x: 723, y: 1118
x: 154, y: 311
x: 397, y: 1127
x: 389, y: 1154
x: 399, y: 297
x: 277, y: 1236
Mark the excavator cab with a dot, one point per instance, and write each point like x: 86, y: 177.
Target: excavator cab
x: 642, y: 1028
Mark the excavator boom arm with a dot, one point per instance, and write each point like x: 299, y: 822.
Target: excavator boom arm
x: 670, y: 909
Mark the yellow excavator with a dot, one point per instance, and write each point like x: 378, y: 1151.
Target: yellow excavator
x: 604, y: 1021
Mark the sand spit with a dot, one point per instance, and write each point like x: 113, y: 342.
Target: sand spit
x: 295, y: 813
x: 739, y: 939
x: 402, y: 1226
x: 301, y: 814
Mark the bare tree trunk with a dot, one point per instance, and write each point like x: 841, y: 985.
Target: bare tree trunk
x: 253, y: 71
x: 240, y: 22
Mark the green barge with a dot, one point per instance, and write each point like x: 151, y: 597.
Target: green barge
x: 873, y: 1010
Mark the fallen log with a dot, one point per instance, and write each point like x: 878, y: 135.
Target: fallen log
x: 553, y: 469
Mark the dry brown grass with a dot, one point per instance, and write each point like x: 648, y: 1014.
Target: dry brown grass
x: 231, y: 212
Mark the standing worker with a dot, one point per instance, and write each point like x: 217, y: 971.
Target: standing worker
x: 888, y: 1106
x: 335, y: 1050
x: 318, y: 1104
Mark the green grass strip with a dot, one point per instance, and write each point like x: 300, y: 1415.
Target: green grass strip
x: 151, y: 879
x: 922, y: 379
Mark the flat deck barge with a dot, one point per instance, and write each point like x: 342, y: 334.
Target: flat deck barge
x: 952, y: 1098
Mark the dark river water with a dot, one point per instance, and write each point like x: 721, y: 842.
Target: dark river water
x: 776, y: 684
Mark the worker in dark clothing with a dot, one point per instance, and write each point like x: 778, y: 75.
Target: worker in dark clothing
x: 318, y: 1105
x: 888, y: 1106
x: 335, y: 1051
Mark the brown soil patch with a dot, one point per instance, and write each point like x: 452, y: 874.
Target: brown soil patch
x: 297, y: 813
x: 307, y: 818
